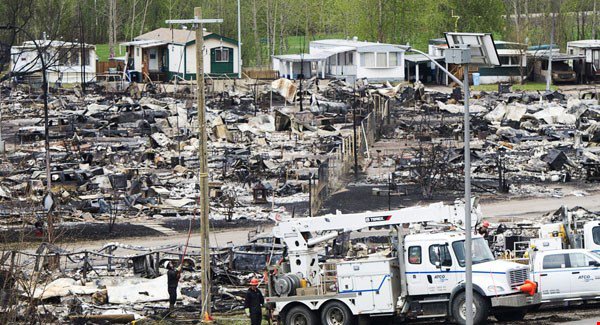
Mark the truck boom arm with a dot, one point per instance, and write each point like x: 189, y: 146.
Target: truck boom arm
x: 294, y: 231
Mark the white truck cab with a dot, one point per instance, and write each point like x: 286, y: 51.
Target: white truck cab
x: 567, y: 274
x: 591, y: 237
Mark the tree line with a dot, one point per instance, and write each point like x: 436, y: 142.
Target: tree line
x: 271, y: 27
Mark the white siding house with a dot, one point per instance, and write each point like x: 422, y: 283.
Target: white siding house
x: 345, y: 59
x: 64, y: 61
x: 590, y: 49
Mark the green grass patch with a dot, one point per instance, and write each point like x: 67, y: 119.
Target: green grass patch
x: 530, y: 86
x: 103, y: 51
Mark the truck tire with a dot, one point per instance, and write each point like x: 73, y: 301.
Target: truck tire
x: 511, y: 316
x: 480, y: 305
x: 300, y: 315
x: 336, y: 313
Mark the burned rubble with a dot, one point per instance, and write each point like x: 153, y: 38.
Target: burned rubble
x: 130, y: 157
x: 273, y: 151
x: 520, y: 141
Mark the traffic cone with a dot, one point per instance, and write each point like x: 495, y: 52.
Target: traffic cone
x: 529, y: 287
x: 207, y: 318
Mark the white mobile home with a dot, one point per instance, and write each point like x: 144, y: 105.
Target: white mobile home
x: 165, y: 53
x: 590, y: 50
x: 345, y: 59
x: 64, y: 60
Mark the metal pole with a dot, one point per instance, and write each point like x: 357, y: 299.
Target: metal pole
x: 310, y: 196
x: 390, y: 192
x: 549, y: 76
x: 468, y: 256
x: 204, y: 207
x: 355, y: 139
x: 239, y: 25
x: 1, y: 142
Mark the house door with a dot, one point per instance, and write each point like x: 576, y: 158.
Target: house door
x: 221, y: 60
x: 153, y: 59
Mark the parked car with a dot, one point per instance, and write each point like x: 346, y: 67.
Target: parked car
x: 112, y: 82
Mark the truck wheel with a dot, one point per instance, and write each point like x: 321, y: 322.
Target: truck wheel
x: 336, y: 313
x: 300, y: 315
x: 481, y: 309
x: 511, y: 316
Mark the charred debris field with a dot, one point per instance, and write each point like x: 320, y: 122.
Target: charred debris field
x: 125, y: 165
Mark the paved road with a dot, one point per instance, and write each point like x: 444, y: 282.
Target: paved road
x: 535, y: 207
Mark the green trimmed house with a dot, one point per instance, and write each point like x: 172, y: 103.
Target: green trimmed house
x: 165, y: 53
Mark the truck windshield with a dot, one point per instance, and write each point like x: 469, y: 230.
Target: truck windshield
x: 481, y: 251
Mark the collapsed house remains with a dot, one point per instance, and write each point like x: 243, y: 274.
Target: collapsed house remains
x: 275, y: 149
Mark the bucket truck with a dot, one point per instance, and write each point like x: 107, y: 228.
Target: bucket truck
x: 422, y: 278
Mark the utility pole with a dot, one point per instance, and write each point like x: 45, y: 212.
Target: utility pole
x: 83, y: 54
x: 549, y: 76
x: 203, y: 175
x: 239, y: 26
x: 1, y: 142
x: 112, y: 30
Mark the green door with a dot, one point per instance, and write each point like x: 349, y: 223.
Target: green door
x: 221, y: 60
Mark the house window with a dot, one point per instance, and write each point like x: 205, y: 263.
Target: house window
x: 367, y: 60
x: 511, y: 60
x: 63, y: 57
x: 381, y: 60
x: 349, y: 58
x: 221, y: 55
x: 596, y: 59
x: 393, y: 59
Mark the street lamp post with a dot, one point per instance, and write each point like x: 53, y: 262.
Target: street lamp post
x: 465, y: 49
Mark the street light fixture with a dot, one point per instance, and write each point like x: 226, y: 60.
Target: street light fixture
x: 465, y: 49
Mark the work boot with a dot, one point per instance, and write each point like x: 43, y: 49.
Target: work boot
x: 171, y: 309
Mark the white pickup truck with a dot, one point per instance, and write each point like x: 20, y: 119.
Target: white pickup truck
x: 567, y: 274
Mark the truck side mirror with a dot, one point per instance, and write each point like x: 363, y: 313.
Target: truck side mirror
x: 438, y: 265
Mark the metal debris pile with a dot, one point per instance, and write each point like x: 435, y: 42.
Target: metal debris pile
x: 520, y: 142
x: 133, y: 156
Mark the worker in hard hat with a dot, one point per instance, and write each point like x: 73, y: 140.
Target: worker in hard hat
x: 254, y: 302
x: 484, y: 230
x: 173, y: 276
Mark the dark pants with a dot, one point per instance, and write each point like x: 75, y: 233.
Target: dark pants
x: 172, y: 296
x: 255, y: 318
